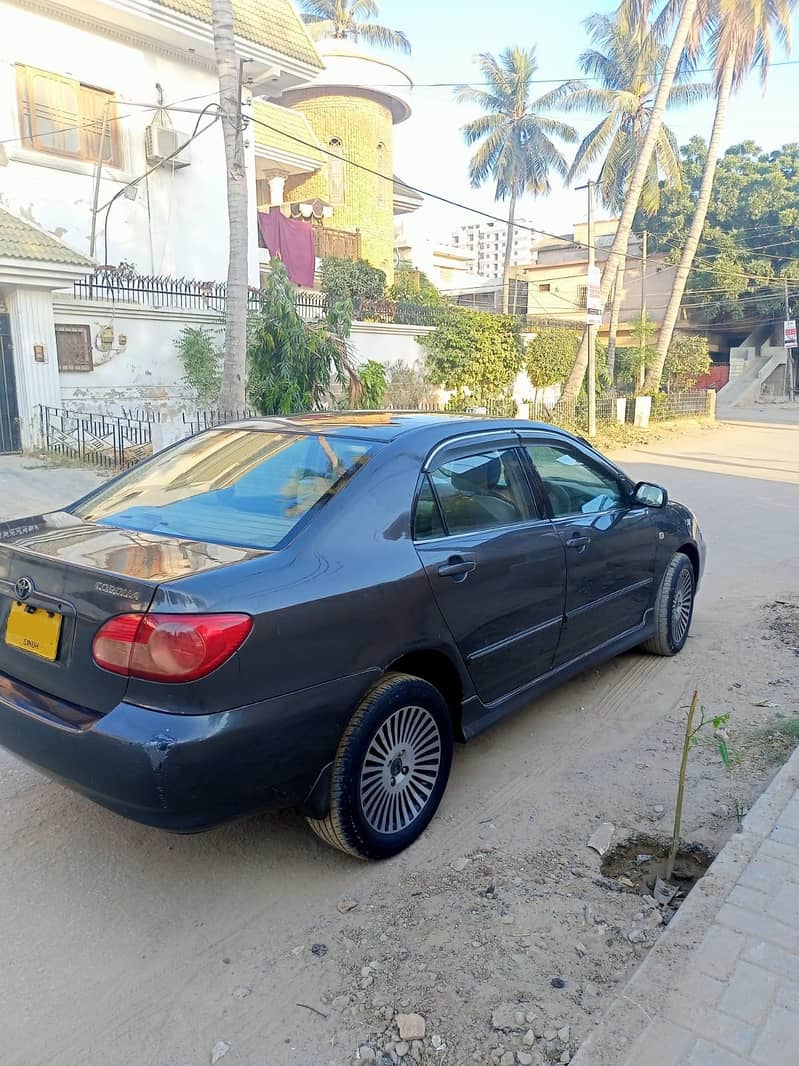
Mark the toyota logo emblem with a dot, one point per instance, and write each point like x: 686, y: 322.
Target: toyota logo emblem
x: 23, y: 588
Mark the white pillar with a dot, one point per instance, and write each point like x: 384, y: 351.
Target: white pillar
x: 277, y: 190
x: 32, y: 330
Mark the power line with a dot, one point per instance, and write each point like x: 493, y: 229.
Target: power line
x: 464, y: 207
x: 533, y: 81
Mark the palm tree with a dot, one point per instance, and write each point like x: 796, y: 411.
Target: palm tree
x: 515, y: 135
x: 631, y: 11
x: 626, y: 63
x: 234, y: 375
x: 741, y: 39
x: 343, y: 19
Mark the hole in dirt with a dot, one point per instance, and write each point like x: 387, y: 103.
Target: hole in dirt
x: 637, y: 862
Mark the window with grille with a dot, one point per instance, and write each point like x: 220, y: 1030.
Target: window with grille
x: 74, y: 348
x: 62, y: 116
x: 545, y: 287
x: 582, y: 296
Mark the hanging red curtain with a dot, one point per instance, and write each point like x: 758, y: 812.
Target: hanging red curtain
x: 292, y: 241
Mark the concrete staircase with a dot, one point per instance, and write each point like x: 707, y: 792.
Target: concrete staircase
x: 756, y: 369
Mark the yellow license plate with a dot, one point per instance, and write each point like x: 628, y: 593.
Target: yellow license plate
x: 34, y: 630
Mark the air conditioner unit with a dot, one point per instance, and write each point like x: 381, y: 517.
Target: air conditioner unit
x: 161, y: 142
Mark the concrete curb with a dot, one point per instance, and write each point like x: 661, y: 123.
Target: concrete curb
x: 671, y: 961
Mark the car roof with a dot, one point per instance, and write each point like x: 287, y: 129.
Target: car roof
x: 385, y: 426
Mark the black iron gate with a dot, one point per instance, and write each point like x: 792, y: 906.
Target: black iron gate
x: 9, y: 412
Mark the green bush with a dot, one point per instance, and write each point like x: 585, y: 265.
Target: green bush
x: 474, y: 353
x: 549, y: 356
x: 688, y: 358
x: 202, y: 363
x: 351, y: 279
x: 372, y: 376
x: 291, y: 364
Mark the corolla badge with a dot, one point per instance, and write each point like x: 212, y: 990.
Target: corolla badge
x: 23, y: 587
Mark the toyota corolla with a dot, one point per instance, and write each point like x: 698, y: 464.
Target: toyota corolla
x: 307, y: 612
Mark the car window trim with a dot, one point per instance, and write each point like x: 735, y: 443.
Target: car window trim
x: 462, y: 448
x: 526, y: 524
x: 608, y: 469
x: 585, y: 450
x: 424, y: 477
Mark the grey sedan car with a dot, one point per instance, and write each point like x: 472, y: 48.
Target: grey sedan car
x: 307, y: 612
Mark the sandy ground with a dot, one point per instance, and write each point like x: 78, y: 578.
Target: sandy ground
x: 122, y: 946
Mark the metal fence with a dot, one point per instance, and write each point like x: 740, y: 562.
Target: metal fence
x: 100, y: 440
x: 119, y: 284
x: 124, y: 285
x: 200, y: 420
x: 693, y: 403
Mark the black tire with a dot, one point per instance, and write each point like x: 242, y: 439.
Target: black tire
x: 374, y: 815
x: 674, y: 608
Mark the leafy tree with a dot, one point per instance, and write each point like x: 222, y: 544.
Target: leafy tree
x: 516, y: 136
x: 742, y: 34
x: 688, y: 359
x: 414, y: 286
x: 750, y: 239
x: 372, y: 376
x: 626, y: 62
x: 550, y: 355
x: 344, y: 19
x: 292, y: 364
x: 474, y: 352
x: 351, y: 279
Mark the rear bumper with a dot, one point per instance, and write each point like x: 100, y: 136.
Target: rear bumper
x: 183, y: 772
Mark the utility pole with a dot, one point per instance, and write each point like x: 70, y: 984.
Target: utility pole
x: 789, y: 385
x: 642, y: 338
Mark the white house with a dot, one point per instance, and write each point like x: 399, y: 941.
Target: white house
x: 93, y: 95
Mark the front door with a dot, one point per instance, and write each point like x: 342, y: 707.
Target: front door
x: 610, y: 543
x: 9, y: 413
x: 495, y: 564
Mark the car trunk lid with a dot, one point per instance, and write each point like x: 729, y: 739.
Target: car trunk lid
x: 61, y: 578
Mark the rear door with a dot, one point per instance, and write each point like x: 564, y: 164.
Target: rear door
x: 494, y: 561
x: 610, y: 543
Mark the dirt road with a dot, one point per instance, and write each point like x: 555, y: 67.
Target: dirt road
x: 122, y: 946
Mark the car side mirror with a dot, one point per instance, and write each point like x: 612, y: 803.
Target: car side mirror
x: 650, y: 495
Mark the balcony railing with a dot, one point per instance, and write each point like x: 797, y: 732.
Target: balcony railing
x: 336, y: 243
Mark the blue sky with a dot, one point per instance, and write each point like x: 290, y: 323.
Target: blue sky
x: 446, y: 34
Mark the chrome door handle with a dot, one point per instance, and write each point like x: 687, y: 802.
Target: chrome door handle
x: 457, y: 567
x: 577, y: 542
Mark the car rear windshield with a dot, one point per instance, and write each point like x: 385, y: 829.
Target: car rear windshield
x: 249, y: 488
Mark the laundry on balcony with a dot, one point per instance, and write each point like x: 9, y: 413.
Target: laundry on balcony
x: 291, y: 241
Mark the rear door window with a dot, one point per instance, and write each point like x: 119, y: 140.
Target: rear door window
x: 482, y: 490
x: 243, y: 487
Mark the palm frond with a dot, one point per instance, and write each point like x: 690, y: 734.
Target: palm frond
x: 481, y: 127
x: 552, y: 127
x: 373, y: 33
x: 691, y: 93
x: 592, y: 147
x: 317, y: 10
x: 589, y: 100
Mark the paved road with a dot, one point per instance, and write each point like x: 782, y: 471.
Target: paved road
x: 121, y: 946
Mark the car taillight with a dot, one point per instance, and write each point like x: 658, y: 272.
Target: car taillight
x: 169, y: 647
